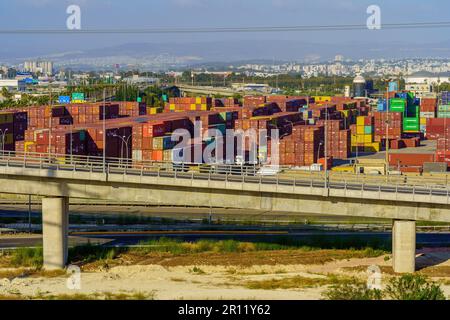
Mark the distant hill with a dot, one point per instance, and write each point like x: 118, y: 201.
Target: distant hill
x: 228, y: 51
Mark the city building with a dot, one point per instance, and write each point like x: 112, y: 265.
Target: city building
x: 137, y: 80
x: 265, y: 88
x: 419, y: 89
x: 12, y: 84
x: 44, y: 67
x: 427, y: 78
x: 359, y: 86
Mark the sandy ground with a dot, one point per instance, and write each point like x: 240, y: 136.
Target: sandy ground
x: 213, y: 282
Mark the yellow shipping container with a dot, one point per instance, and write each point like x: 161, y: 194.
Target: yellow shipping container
x: 27, y: 145
x: 153, y: 110
x: 360, y: 139
x: 376, y: 146
x: 172, y: 106
x: 368, y: 138
x: 360, y: 130
x: 204, y: 107
x: 353, y: 139
x: 193, y: 107
x: 322, y: 98
x: 343, y: 169
x: 423, y: 121
x: 198, y: 100
x: 360, y: 121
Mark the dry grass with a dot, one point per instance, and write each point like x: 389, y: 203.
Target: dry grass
x: 82, y: 296
x: 25, y: 273
x: 436, y: 271
x: 10, y: 297
x: 297, y: 282
x: 242, y: 259
x: 178, y: 280
x: 384, y: 269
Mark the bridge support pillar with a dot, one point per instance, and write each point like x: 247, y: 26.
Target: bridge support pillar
x: 55, y: 225
x: 404, y: 246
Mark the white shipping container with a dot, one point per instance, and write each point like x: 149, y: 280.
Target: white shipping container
x: 137, y: 155
x: 427, y: 115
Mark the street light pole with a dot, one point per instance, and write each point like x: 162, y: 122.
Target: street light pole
x: 326, y: 136
x: 318, y: 151
x: 387, y: 130
x: 124, y: 141
x: 71, y: 143
x: 29, y: 213
x: 50, y: 124
x: 3, y: 134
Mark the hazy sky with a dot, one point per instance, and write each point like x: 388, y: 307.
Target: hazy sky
x: 106, y: 14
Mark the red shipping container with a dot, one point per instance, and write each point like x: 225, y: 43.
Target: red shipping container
x: 410, y: 159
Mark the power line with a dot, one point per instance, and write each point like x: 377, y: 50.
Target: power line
x: 180, y: 30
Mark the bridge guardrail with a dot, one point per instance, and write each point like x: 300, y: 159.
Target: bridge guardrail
x: 227, y: 173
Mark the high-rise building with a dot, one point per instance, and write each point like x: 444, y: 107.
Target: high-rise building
x: 44, y: 67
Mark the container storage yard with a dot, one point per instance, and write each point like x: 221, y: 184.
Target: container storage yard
x: 321, y: 131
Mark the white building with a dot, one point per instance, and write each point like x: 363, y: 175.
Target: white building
x: 44, y: 67
x: 419, y: 89
x: 136, y: 80
x: 12, y: 84
x: 252, y: 87
x: 427, y: 78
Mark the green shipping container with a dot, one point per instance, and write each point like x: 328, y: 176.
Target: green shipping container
x: 367, y: 129
x: 397, y: 105
x: 411, y: 124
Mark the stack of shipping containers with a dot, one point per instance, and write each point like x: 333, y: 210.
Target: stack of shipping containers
x: 142, y: 133
x: 363, y: 135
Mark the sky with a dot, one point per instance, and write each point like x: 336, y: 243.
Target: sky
x: 120, y: 14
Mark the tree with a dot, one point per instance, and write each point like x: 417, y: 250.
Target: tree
x: 6, y: 94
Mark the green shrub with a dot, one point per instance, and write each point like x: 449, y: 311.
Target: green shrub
x: 89, y: 253
x: 413, y: 287
x: 406, y: 287
x: 352, y: 291
x: 27, y: 257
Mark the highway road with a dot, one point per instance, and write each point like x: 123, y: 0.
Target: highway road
x: 127, y: 239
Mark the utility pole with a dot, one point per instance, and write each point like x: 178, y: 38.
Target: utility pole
x: 29, y: 213
x: 71, y: 143
x: 50, y: 126
x: 326, y: 151
x: 104, y: 130
x: 326, y: 144
x: 387, y: 130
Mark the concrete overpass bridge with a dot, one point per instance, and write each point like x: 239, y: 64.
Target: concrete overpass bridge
x: 163, y: 184
x: 209, y: 90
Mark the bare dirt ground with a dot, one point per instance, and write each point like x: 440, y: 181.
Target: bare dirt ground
x: 206, y: 277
